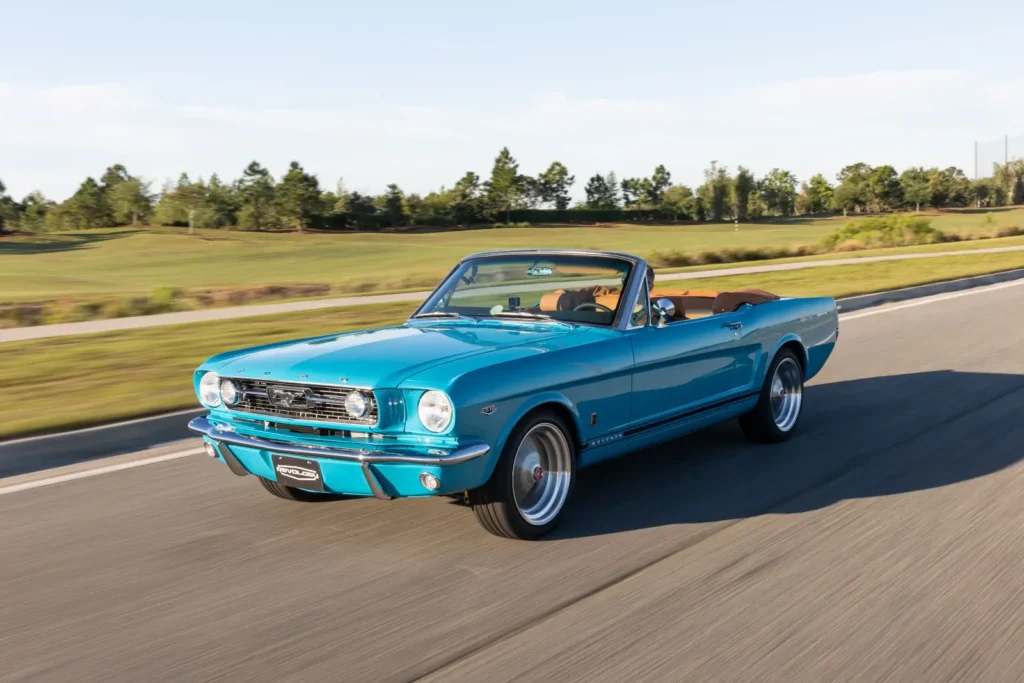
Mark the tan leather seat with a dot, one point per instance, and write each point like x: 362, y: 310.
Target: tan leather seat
x: 703, y: 293
x: 567, y: 300
x: 549, y: 302
x: 696, y: 301
x: 727, y: 302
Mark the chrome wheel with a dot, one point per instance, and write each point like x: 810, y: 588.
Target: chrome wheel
x: 786, y: 394
x: 541, y: 474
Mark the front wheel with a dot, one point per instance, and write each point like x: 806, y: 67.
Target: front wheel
x: 532, y: 482
x: 779, y: 406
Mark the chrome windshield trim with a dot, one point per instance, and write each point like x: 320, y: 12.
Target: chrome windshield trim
x: 636, y: 299
x: 202, y: 425
x: 638, y: 271
x: 630, y: 291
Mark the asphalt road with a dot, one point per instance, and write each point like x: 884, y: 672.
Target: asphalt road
x: 231, y: 312
x: 884, y: 543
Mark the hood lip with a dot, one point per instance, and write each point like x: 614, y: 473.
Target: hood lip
x: 223, y: 365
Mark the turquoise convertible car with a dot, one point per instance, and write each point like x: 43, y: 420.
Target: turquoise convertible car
x: 520, y: 369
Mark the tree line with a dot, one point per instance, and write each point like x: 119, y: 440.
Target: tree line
x: 258, y: 201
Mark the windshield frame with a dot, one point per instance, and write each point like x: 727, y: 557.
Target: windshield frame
x: 637, y: 269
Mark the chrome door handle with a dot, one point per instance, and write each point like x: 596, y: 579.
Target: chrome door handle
x: 733, y: 326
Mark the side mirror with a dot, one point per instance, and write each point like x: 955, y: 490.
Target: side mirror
x: 664, y: 309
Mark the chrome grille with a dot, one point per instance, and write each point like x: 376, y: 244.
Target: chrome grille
x: 321, y: 403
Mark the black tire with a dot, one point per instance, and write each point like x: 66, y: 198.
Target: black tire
x: 760, y: 424
x: 294, y: 494
x: 494, y: 503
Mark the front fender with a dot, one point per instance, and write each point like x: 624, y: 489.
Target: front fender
x: 521, y: 410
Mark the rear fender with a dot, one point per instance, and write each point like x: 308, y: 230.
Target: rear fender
x: 789, y: 338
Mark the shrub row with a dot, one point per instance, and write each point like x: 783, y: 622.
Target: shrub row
x: 162, y: 300
x: 382, y: 221
x: 679, y: 259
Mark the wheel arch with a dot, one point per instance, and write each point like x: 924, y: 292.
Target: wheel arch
x: 798, y: 350
x: 791, y: 342
x: 555, y: 402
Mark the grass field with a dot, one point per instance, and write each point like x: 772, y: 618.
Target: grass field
x: 92, y: 379
x: 125, y: 262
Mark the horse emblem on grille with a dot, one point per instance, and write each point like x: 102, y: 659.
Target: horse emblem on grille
x: 289, y: 397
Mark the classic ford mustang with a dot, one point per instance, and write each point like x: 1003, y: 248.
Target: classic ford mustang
x: 519, y: 369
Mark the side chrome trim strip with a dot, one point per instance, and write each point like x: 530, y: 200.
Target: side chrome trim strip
x: 202, y: 425
x: 695, y: 412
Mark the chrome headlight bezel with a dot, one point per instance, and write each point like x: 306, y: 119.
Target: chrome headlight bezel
x: 209, y: 390
x: 229, y: 393
x: 435, y: 411
x: 357, y: 404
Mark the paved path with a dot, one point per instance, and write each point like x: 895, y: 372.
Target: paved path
x: 884, y: 542
x: 115, y: 324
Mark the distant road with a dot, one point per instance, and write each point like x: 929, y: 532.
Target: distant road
x: 117, y: 324
x: 884, y: 542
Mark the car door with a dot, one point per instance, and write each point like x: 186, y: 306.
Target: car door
x: 689, y: 365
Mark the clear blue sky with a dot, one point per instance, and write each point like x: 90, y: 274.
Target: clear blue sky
x: 419, y: 92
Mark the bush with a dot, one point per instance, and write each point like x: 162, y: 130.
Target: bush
x: 369, y: 222
x: 885, y: 231
x: 165, y: 299
x: 678, y: 259
x: 22, y: 315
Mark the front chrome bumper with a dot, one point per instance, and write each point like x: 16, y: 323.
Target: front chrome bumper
x: 224, y: 436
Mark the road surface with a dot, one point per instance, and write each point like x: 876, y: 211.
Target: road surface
x: 885, y: 542
x: 206, y: 315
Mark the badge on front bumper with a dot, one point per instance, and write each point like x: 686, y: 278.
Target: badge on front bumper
x: 298, y: 473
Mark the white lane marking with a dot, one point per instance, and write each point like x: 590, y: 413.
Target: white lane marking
x: 183, y: 454
x: 931, y: 300
x: 110, y: 425
x: 84, y: 474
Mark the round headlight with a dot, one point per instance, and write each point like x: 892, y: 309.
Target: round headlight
x: 228, y: 392
x: 209, y: 390
x: 435, y: 411
x: 357, y: 404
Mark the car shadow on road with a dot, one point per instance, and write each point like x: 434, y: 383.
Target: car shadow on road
x: 857, y: 439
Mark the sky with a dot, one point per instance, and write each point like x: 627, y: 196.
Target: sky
x: 418, y: 93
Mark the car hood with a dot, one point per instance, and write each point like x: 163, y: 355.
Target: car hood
x: 382, y: 357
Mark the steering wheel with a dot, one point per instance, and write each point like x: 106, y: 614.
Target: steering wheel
x: 592, y: 304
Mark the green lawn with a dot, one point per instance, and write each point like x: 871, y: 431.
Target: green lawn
x: 123, y: 262
x: 972, y: 245
x: 91, y: 379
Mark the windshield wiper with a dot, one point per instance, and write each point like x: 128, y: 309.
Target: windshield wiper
x: 441, y: 314
x: 531, y: 316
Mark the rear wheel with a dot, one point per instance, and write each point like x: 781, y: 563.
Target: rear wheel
x: 532, y: 482
x: 292, y: 493
x: 780, y: 403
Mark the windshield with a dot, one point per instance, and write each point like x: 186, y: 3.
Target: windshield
x: 570, y: 288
